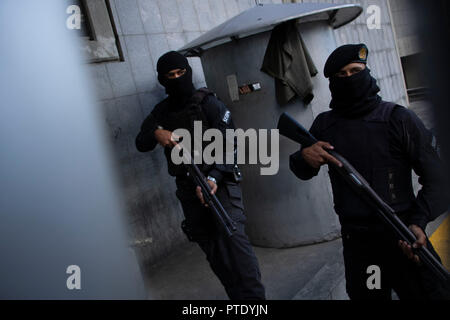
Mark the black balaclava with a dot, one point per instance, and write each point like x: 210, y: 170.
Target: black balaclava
x: 181, y: 88
x: 354, y: 96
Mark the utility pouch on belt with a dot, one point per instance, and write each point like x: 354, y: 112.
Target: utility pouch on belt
x: 237, y: 175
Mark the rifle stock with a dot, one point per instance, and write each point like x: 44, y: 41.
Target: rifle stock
x: 291, y: 129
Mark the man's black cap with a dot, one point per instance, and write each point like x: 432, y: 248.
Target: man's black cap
x: 344, y: 55
x: 170, y: 61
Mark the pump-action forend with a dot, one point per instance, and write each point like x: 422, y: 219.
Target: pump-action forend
x: 291, y: 129
x: 214, y: 204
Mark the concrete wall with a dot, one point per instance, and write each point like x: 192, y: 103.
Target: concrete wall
x: 128, y: 90
x: 403, y: 18
x: 282, y: 210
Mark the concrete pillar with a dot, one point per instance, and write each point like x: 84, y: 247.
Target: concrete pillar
x: 282, y: 210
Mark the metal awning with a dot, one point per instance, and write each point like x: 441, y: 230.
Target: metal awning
x: 265, y: 17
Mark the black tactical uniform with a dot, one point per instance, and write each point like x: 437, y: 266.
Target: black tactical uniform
x: 384, y: 142
x: 231, y: 258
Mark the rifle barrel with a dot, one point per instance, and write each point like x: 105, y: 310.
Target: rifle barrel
x: 214, y: 204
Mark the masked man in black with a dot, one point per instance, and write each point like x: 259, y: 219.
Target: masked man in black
x: 231, y: 258
x: 384, y: 142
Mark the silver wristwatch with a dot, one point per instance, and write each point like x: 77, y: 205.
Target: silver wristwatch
x: 211, y: 179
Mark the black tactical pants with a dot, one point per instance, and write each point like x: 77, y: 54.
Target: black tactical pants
x: 231, y: 258
x: 364, y: 246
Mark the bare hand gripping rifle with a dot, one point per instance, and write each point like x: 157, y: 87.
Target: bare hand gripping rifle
x: 291, y: 129
x: 214, y: 204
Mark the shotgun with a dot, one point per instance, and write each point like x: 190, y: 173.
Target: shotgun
x: 291, y: 129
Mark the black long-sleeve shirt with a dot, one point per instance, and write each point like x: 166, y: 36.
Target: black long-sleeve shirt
x: 218, y: 117
x: 408, y: 139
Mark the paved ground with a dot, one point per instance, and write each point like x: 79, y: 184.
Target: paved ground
x: 307, y: 272
x: 313, y: 272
